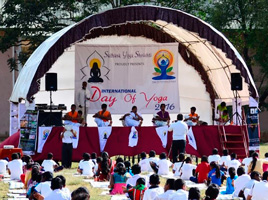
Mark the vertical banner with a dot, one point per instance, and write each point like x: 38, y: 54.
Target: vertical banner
x: 104, y: 134
x: 43, y: 133
x: 253, y: 128
x: 123, y: 76
x: 13, y: 120
x: 28, y: 132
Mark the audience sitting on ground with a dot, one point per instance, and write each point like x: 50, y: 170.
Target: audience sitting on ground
x: 260, y: 189
x: 86, y: 167
x: 152, y: 159
x: 230, y: 180
x: 241, y: 181
x: 136, y: 170
x: 43, y: 189
x: 187, y: 169
x: 212, y: 192
x: 201, y: 171
x: 177, y: 165
x: 94, y: 158
x: 15, y: 167
x: 225, y: 158
x: 233, y: 162
x: 144, y: 163
x: 180, y: 188
x: 256, y: 164
x: 194, y: 194
x: 49, y: 164
x: 255, y: 178
x: 215, y: 175
x: 137, y: 191
x: 265, y: 165
x: 118, y: 180
x: 169, y: 190
x: 154, y: 190
x: 57, y: 193
x: 215, y: 157
x: 247, y: 161
x: 80, y: 193
x: 162, y: 167
x: 3, y: 165
x: 64, y: 188
x: 34, y: 180
x: 105, y: 167
x: 128, y: 168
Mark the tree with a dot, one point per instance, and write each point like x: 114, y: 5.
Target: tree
x: 29, y: 23
x: 245, y: 25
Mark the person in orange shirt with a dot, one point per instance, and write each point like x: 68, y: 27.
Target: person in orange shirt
x: 192, y: 118
x: 72, y: 115
x: 103, y: 118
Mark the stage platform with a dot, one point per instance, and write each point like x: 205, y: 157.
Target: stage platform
x: 207, y: 138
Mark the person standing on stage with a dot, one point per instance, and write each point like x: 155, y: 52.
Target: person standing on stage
x: 180, y: 130
x: 67, y: 146
x: 103, y: 118
x: 82, y: 99
x: 162, y: 117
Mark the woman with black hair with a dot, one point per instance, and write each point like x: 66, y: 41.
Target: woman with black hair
x: 215, y: 175
x: 212, y: 192
x: 118, y: 180
x: 256, y: 164
x: 104, y: 169
x: 194, y: 194
x: 230, y: 181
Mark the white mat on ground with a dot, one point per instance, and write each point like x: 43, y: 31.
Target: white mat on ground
x: 119, y: 197
x: 228, y: 196
x: 170, y: 175
x: 16, y: 195
x: 15, y: 185
x: 20, y: 198
x: 20, y: 191
x: 96, y: 184
x: 200, y: 186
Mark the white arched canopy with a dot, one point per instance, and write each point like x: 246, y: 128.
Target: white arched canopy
x: 209, y: 56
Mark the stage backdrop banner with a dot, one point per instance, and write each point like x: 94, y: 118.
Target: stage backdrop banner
x: 43, y: 133
x: 123, y: 76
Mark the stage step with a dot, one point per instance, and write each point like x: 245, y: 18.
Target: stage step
x: 234, y: 134
x: 235, y: 148
x: 234, y: 142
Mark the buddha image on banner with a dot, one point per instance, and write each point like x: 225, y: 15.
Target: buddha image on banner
x: 122, y: 76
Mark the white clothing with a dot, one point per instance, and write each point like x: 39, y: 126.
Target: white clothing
x: 145, y: 165
x: 66, y: 191
x: 49, y: 165
x: 87, y: 168
x: 260, y: 191
x: 214, y: 158
x: 152, y: 159
x: 79, y: 165
x: 101, y: 123
x: 240, y: 183
x: 224, y: 160
x: 166, y: 195
x: 179, y: 195
x: 131, y: 119
x: 67, y: 135
x: 233, y: 163
x: 132, y: 180
x: 160, y: 123
x: 246, y: 162
x: 80, y: 98
x: 187, y: 171
x: 176, y: 168
x: 180, y: 130
x: 57, y: 194
x: 44, y: 188
x: 15, y: 167
x: 152, y: 193
x: 250, y: 184
x: 163, y: 167
x: 3, y: 166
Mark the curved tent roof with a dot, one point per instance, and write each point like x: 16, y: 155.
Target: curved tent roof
x: 201, y: 46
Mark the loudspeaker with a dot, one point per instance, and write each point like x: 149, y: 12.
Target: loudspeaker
x: 51, y: 82
x: 236, y: 81
x: 50, y: 119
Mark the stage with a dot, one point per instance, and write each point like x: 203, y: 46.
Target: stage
x: 207, y: 138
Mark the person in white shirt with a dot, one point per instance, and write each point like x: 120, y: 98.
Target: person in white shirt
x: 133, y: 118
x: 80, y: 193
x: 255, y: 178
x: 64, y: 188
x: 57, y: 193
x: 180, y: 130
x: 177, y: 165
x: 87, y: 166
x: 215, y: 157
x: 169, y: 190
x: 136, y: 170
x: 246, y: 161
x: 144, y: 163
x: 3, y: 165
x: 67, y: 146
x: 163, y: 165
x: 259, y: 191
x: 82, y: 99
x: 181, y: 193
x: 225, y: 158
x: 194, y: 193
x: 15, y: 167
x: 152, y: 159
x: 241, y: 181
x: 49, y: 164
x: 187, y: 169
x: 43, y: 189
x: 233, y: 162
x: 155, y: 190
x: 212, y: 192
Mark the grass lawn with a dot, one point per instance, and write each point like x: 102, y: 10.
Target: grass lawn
x: 73, y: 182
